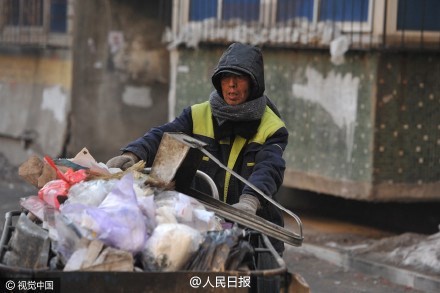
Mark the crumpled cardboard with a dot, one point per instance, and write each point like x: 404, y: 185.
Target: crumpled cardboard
x: 36, y: 172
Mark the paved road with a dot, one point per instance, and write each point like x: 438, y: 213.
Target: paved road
x: 323, y: 277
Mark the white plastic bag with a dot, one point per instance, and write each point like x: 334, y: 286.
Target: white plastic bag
x: 338, y: 47
x: 170, y: 247
x: 89, y: 193
x: 118, y: 221
x: 176, y: 207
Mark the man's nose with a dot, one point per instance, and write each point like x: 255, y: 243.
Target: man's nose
x: 232, y: 82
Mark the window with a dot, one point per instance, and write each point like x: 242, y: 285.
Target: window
x: 33, y: 22
x: 58, y: 16
x: 287, y: 9
x: 202, y: 9
x: 27, y: 13
x: 351, y: 14
x: 418, y: 15
x: 311, y: 23
x: 413, y: 24
x: 344, y: 10
x: 247, y: 10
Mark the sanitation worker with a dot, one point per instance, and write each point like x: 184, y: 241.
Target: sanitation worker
x: 241, y: 127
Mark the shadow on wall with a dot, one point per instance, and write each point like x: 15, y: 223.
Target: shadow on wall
x: 417, y: 217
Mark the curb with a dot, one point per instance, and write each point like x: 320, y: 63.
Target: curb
x: 396, y: 275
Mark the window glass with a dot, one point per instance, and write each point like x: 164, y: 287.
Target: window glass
x: 58, y: 13
x: 30, y: 13
x: 289, y: 9
x: 12, y: 11
x: 202, y: 9
x: 344, y: 10
x: 418, y: 15
x: 247, y: 10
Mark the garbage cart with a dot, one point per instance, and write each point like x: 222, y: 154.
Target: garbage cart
x: 265, y: 270
x: 45, y: 280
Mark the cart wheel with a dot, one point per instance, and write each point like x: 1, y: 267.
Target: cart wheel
x: 266, y: 261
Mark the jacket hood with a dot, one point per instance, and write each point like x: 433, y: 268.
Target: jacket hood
x: 245, y: 59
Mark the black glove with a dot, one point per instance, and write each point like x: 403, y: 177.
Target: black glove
x: 124, y: 161
x: 248, y: 203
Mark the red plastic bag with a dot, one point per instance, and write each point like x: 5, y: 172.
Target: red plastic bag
x: 54, y: 192
x: 74, y: 177
x: 71, y: 177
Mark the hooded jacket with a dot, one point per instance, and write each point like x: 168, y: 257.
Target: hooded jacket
x: 256, y: 154
x: 243, y: 59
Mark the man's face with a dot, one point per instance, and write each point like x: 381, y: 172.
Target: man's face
x: 235, y: 88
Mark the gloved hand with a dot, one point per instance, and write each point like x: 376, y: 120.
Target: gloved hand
x: 248, y: 203
x: 124, y: 161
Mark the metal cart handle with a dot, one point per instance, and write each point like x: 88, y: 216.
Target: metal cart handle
x: 199, y: 146
x: 204, y: 176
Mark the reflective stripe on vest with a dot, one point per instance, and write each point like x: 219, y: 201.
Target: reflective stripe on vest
x: 202, y: 120
x: 239, y: 143
x: 270, y: 123
x: 203, y: 125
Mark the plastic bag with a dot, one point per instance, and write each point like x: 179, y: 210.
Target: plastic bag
x: 70, y: 176
x: 118, y: 221
x: 148, y: 208
x: 34, y: 205
x: 170, y: 246
x: 338, y: 47
x: 55, y: 192
x: 220, y: 251
x: 90, y: 193
x: 52, y: 190
x: 65, y: 235
x: 176, y: 207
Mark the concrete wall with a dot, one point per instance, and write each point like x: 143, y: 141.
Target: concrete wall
x: 104, y: 91
x: 35, y: 99
x: 120, y: 75
x: 334, y: 113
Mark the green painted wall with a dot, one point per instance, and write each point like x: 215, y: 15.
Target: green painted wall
x: 327, y: 110
x: 193, y: 82
x: 407, y: 145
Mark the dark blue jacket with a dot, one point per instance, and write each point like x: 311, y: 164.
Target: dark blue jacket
x: 257, y: 154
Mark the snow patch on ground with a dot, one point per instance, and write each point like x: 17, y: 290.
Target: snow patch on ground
x: 409, y: 250
x: 424, y: 255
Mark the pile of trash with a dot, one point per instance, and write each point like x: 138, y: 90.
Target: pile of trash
x: 91, y: 218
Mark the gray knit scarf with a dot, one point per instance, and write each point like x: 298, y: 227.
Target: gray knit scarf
x: 248, y: 111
